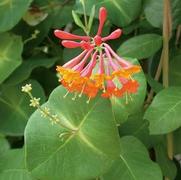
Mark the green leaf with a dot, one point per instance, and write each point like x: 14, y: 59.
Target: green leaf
x: 138, y: 127
x: 122, y: 110
x: 154, y: 12
x: 167, y: 166
x: 174, y: 71
x: 86, y: 154
x: 10, y: 56
x: 130, y: 28
x: 164, y: 112
x: 24, y: 71
x: 11, y: 12
x: 77, y: 20
x: 4, y: 145
x: 12, y: 166
x: 91, y: 18
x: 62, y: 17
x: 120, y: 13
x: 155, y: 85
x: 134, y: 163
x: 15, y: 109
x: 15, y: 174
x: 142, y: 46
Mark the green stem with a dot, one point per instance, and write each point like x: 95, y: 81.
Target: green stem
x: 54, y: 119
x: 51, y: 117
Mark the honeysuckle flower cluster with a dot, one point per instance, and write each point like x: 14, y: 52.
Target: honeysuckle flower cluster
x: 98, y: 67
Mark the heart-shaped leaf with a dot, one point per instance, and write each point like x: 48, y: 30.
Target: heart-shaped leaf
x: 134, y: 163
x: 164, y: 112
x: 87, y: 153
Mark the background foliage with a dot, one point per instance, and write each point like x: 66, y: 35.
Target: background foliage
x: 115, y: 141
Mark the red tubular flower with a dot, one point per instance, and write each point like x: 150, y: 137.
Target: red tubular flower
x: 114, y: 35
x: 102, y: 19
x: 71, y: 44
x: 65, y: 35
x: 98, y: 68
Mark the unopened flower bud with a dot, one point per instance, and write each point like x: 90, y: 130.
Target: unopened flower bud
x: 65, y: 35
x: 70, y: 44
x: 102, y: 19
x: 35, y: 102
x: 27, y: 88
x: 102, y: 14
x: 114, y: 35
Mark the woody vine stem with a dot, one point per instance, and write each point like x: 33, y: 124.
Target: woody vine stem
x: 164, y: 66
x: 167, y: 29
